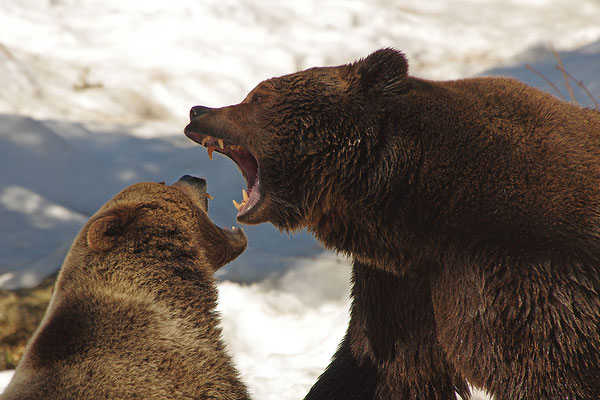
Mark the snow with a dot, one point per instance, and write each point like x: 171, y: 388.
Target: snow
x: 95, y: 94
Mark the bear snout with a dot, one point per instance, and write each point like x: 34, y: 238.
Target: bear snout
x: 198, y: 189
x: 192, y: 180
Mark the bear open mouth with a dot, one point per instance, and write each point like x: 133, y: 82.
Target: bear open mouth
x: 246, y: 162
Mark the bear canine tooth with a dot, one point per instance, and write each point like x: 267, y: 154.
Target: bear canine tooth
x: 208, y: 196
x: 206, y: 139
x: 245, y: 195
x: 210, y: 151
x: 221, y: 144
x: 237, y: 205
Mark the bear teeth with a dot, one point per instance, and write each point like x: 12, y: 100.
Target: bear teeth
x: 237, y: 205
x: 212, y: 144
x: 221, y: 144
x: 245, y: 196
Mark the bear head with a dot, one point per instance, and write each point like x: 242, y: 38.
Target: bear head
x: 154, y: 220
x: 294, y: 135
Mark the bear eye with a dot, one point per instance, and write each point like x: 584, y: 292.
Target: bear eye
x: 256, y: 98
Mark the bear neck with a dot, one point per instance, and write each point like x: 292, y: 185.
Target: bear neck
x: 376, y: 212
x: 371, y: 236
x: 377, y: 226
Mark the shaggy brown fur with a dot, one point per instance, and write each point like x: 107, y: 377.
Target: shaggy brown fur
x: 132, y: 315
x: 471, y: 209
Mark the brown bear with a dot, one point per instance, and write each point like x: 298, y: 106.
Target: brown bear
x: 132, y: 315
x: 471, y: 209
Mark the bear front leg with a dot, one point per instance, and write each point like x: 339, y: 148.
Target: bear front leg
x: 390, y: 350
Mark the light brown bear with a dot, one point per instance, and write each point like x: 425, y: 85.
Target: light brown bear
x: 132, y: 315
x: 471, y: 209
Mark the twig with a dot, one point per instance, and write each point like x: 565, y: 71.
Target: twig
x: 580, y: 84
x: 561, y: 68
x: 548, y: 81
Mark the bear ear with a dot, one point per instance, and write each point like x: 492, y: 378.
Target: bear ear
x: 381, y: 73
x: 105, y: 231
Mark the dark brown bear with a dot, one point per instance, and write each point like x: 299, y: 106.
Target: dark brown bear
x: 133, y: 315
x: 471, y: 209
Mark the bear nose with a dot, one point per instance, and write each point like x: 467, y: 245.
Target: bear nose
x: 197, y: 111
x: 192, y: 180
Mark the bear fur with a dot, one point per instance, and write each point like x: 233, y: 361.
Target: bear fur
x: 132, y: 315
x: 471, y: 209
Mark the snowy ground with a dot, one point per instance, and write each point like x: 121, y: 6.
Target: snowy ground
x: 95, y: 95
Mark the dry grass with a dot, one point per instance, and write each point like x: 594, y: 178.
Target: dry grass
x: 21, y: 311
